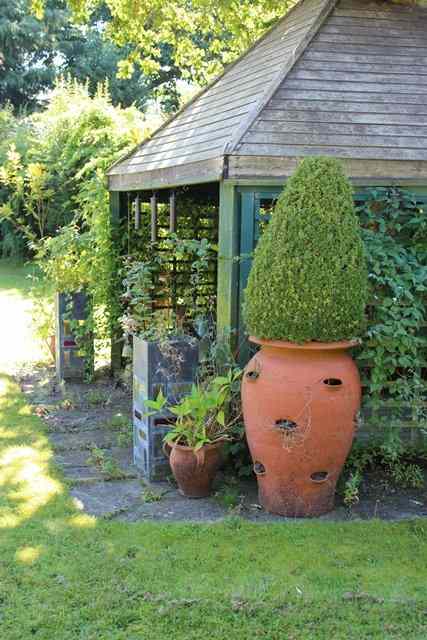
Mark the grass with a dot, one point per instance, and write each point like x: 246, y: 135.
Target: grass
x: 65, y: 575
x: 18, y: 343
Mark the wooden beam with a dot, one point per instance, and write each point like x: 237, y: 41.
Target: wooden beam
x: 192, y: 173
x: 228, y: 266
x: 116, y: 344
x: 137, y: 213
x: 172, y: 212
x: 367, y: 172
x: 153, y: 205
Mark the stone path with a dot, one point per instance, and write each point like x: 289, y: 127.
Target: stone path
x: 90, y: 431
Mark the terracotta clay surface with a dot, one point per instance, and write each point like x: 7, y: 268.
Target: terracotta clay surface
x: 300, y: 405
x: 195, y: 471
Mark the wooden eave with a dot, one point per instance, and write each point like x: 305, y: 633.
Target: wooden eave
x: 211, y: 170
x: 364, y: 172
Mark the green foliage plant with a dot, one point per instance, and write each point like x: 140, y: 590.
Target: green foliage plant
x: 200, y: 36
x: 308, y: 280
x: 400, y: 465
x: 29, y: 193
x: 38, y: 50
x: 394, y: 229
x: 202, y: 416
x: 54, y: 193
x: 106, y: 464
x: 150, y: 286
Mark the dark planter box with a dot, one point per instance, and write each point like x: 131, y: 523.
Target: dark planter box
x: 71, y: 363
x: 170, y: 367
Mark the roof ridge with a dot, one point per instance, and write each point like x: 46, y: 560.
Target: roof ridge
x: 275, y: 83
x: 204, y: 89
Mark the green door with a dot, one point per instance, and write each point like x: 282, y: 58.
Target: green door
x: 255, y: 209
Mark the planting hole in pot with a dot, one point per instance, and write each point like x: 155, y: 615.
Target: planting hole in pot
x: 252, y: 375
x: 286, y: 425
x: 138, y: 414
x: 319, y: 476
x: 259, y: 468
x: 332, y: 382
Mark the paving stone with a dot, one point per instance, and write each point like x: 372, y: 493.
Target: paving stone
x: 108, y: 498
x: 175, y: 508
x: 82, y: 440
x: 75, y: 466
x: 74, y: 431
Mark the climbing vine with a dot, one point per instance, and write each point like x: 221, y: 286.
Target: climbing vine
x: 395, y: 345
x: 166, y: 293
x: 393, y: 356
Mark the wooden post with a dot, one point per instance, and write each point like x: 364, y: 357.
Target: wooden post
x: 137, y: 213
x: 153, y: 203
x: 116, y: 344
x: 228, y: 266
x: 172, y: 212
x: 172, y: 229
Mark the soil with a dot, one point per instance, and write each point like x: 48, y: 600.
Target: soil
x: 89, y: 426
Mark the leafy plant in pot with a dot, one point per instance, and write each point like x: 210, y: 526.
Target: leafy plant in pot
x: 304, y: 305
x: 203, y: 424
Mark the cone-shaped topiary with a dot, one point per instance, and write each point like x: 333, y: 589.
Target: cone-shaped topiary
x: 309, y: 280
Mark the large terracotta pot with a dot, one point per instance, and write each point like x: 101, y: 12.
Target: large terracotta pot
x: 194, y: 471
x: 300, y: 405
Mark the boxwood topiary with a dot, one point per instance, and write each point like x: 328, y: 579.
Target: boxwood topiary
x: 308, y: 280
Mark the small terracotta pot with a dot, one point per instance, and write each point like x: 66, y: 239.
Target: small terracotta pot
x: 194, y: 471
x: 300, y: 405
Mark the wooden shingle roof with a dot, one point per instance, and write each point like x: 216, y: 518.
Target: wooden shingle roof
x: 344, y: 78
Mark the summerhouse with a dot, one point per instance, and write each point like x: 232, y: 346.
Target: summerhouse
x: 343, y: 78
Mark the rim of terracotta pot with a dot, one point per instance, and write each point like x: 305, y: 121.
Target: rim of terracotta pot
x: 209, y: 445
x: 307, y: 346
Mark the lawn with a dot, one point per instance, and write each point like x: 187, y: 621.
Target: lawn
x: 67, y: 576
x: 17, y: 343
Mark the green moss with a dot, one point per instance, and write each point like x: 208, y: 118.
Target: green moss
x: 309, y: 277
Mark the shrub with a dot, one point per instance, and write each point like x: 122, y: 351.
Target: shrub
x: 309, y: 277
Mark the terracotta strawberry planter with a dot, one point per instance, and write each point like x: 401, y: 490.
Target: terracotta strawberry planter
x: 300, y: 404
x: 194, y: 471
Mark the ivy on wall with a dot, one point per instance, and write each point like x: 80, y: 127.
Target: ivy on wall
x: 395, y: 345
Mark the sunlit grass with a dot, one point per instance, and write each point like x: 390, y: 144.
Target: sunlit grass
x: 18, y: 342
x: 26, y: 480
x: 28, y: 555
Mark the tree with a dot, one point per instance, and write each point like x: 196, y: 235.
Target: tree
x: 87, y: 56
x: 34, y: 51
x: 67, y: 144
x: 27, y: 51
x: 201, y: 35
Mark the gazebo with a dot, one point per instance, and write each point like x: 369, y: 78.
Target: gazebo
x: 341, y: 78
